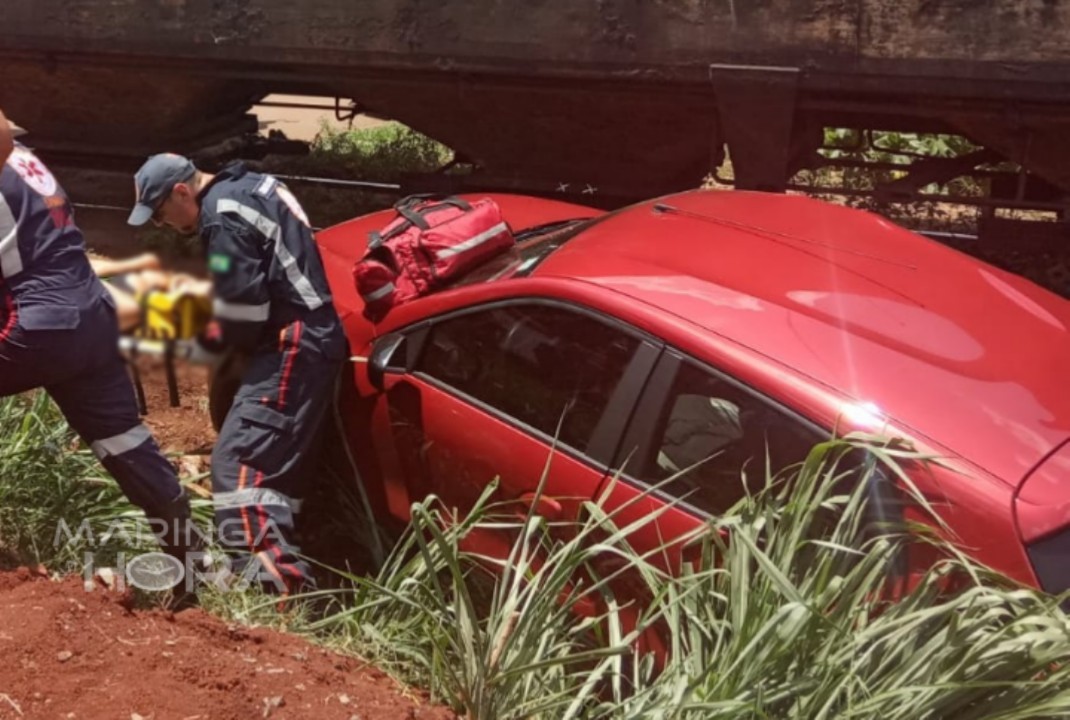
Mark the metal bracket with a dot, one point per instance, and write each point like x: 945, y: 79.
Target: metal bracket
x: 348, y: 113
x: 756, y: 107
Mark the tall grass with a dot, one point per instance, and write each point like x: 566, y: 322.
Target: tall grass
x: 56, y: 501
x: 787, y: 615
x: 791, y: 619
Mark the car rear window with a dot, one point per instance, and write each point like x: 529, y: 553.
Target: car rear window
x: 533, y: 245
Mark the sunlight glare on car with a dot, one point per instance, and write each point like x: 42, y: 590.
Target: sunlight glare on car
x: 864, y: 415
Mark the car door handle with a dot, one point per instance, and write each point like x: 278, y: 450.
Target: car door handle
x: 543, y: 506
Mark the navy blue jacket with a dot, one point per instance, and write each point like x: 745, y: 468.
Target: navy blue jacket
x: 265, y: 267
x: 43, y: 265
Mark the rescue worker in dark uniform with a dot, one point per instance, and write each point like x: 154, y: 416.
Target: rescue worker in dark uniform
x: 271, y: 300
x: 58, y: 330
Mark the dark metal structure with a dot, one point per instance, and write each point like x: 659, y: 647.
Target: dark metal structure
x: 615, y: 98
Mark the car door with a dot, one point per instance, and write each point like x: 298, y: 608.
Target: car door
x: 511, y: 390
x: 699, y: 438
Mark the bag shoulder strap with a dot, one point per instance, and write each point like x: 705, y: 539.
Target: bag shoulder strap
x: 415, y: 216
x: 427, y: 198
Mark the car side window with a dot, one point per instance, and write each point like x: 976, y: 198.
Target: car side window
x: 539, y: 364
x: 711, y: 431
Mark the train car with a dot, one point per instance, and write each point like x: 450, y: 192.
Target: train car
x: 616, y: 99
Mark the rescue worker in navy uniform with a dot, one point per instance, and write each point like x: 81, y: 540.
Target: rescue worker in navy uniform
x: 271, y: 300
x: 58, y: 330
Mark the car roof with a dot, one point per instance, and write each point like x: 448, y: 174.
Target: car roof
x: 961, y: 352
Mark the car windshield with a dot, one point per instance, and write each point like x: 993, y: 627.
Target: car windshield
x: 533, y: 245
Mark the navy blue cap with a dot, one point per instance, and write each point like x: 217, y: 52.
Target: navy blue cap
x: 155, y: 181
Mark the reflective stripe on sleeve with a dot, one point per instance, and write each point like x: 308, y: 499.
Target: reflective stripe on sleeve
x: 10, y: 258
x: 240, y: 311
x: 270, y: 229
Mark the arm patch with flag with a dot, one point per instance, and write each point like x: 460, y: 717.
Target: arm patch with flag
x: 219, y: 263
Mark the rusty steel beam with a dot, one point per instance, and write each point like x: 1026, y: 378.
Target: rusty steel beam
x: 604, y: 91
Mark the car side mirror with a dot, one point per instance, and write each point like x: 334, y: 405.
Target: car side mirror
x: 386, y: 356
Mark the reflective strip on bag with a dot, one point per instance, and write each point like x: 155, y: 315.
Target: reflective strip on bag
x: 472, y: 242
x: 121, y: 444
x: 379, y: 294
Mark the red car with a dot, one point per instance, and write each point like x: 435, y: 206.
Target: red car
x: 725, y: 324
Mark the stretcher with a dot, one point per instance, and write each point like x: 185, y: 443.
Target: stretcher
x: 170, y: 320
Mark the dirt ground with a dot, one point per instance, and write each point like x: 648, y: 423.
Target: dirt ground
x: 72, y: 655
x: 185, y: 429
x: 304, y: 123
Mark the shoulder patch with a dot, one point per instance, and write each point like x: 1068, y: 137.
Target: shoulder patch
x: 33, y: 172
x: 219, y: 263
x: 266, y: 186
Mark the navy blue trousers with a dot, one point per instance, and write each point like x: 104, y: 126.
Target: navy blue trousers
x: 81, y: 368
x: 265, y: 452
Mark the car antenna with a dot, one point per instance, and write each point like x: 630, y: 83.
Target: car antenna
x: 775, y: 236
